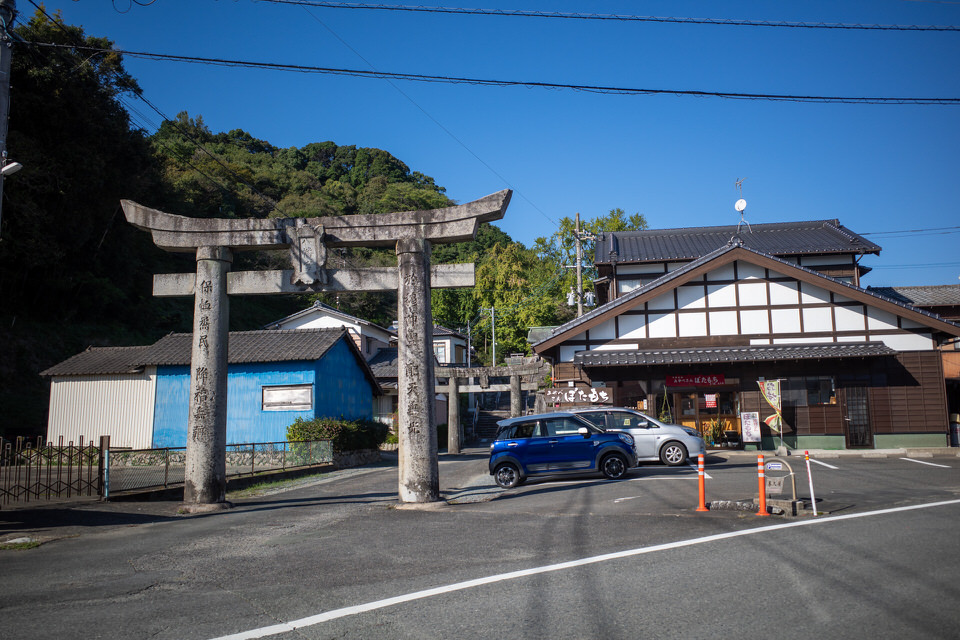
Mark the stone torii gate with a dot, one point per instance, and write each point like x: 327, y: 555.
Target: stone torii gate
x: 215, y: 239
x: 528, y: 368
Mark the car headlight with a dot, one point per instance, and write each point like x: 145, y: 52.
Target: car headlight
x: 627, y: 438
x: 691, y: 432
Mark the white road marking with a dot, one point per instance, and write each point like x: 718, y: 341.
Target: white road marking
x: 697, y: 469
x: 932, y: 464
x: 828, y: 466
x: 562, y: 566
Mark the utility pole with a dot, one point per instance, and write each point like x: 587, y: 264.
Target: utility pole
x: 8, y: 12
x: 578, y: 239
x: 493, y: 335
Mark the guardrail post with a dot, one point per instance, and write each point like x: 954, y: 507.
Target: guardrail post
x: 763, y: 487
x: 700, y: 481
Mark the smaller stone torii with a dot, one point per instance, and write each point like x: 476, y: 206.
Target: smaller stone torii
x: 215, y: 239
x: 530, y: 367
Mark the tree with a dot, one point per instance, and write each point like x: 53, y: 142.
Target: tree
x: 559, y: 249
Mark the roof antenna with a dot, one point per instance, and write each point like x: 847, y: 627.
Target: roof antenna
x: 740, y: 205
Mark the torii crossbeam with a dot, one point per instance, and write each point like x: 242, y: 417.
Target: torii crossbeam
x: 215, y: 239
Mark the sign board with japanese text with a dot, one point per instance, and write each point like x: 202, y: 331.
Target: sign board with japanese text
x: 695, y: 380
x: 579, y: 395
x: 750, y: 426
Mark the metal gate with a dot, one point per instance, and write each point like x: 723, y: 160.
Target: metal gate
x: 43, y: 471
x: 857, y: 417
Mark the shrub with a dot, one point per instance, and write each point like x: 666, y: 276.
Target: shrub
x: 346, y: 435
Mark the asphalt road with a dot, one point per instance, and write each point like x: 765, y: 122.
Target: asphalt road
x: 586, y: 558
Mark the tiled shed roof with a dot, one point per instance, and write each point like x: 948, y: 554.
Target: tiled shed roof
x: 777, y: 239
x: 99, y: 361
x: 753, y: 353
x: 946, y: 295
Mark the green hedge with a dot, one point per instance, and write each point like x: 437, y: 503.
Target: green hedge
x: 346, y: 435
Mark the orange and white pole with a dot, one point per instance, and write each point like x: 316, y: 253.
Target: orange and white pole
x: 763, y: 487
x: 700, y: 480
x: 813, y: 498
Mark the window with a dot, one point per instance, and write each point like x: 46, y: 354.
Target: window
x: 562, y: 426
x: 594, y: 418
x: 298, y: 397
x: 809, y: 391
x: 520, y: 430
x: 440, y: 350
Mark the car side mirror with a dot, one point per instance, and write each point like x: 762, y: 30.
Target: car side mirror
x: 584, y: 432
x: 643, y: 424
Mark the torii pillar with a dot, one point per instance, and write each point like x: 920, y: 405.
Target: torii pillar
x: 215, y: 239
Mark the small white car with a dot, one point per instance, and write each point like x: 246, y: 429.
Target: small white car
x: 671, y: 444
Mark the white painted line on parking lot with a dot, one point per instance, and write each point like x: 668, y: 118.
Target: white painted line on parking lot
x: 705, y: 474
x: 932, y: 464
x: 828, y: 466
x: 335, y: 614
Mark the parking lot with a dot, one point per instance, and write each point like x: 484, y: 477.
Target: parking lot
x: 585, y: 557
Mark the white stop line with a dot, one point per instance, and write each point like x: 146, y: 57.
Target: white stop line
x: 334, y: 614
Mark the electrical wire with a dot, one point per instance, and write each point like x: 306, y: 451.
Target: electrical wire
x: 601, y: 89
x: 523, y: 13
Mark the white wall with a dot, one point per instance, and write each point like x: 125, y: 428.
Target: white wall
x: 120, y: 406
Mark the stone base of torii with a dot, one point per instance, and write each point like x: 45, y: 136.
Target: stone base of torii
x: 214, y: 240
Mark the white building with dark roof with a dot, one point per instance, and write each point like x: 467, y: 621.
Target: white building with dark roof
x: 691, y: 325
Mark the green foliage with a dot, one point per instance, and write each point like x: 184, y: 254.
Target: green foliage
x: 346, y: 435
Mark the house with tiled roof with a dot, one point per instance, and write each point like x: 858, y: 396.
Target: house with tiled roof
x: 139, y: 395
x: 696, y: 321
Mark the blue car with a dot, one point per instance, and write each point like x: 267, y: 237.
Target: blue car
x: 557, y: 444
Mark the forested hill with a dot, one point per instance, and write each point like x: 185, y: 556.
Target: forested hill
x: 74, y: 273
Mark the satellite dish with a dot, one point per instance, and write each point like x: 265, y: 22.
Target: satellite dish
x: 740, y: 205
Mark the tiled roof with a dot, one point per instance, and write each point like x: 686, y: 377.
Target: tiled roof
x: 777, y: 239
x: 754, y: 353
x: 536, y: 334
x: 250, y: 346
x: 945, y: 295
x: 320, y: 306
x: 384, y: 363
x: 443, y: 331
x: 99, y: 361
x: 174, y: 349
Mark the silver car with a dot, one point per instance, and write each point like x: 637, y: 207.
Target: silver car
x: 671, y: 444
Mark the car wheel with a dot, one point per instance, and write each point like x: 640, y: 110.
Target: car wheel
x: 507, y: 475
x: 673, y: 454
x: 614, y: 466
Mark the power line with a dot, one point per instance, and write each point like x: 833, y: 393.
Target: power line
x: 932, y: 231
x: 523, y: 13
x: 600, y: 89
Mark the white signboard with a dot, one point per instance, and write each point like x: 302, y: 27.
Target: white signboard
x: 750, y: 426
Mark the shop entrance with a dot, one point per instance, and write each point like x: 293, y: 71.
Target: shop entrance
x: 715, y: 413
x: 857, y: 417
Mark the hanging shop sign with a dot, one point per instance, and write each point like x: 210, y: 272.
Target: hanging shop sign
x: 695, y: 381
x: 579, y: 395
x: 750, y: 426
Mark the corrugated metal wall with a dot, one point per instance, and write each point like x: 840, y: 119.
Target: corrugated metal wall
x: 340, y: 390
x: 120, y: 406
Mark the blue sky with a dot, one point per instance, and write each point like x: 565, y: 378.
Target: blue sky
x: 876, y: 168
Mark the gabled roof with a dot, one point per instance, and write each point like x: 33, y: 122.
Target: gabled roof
x: 250, y: 346
x: 725, y: 255
x: 944, y: 295
x: 443, y: 331
x: 320, y: 306
x: 812, y: 237
x: 100, y: 361
x: 384, y: 363
x: 243, y: 347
